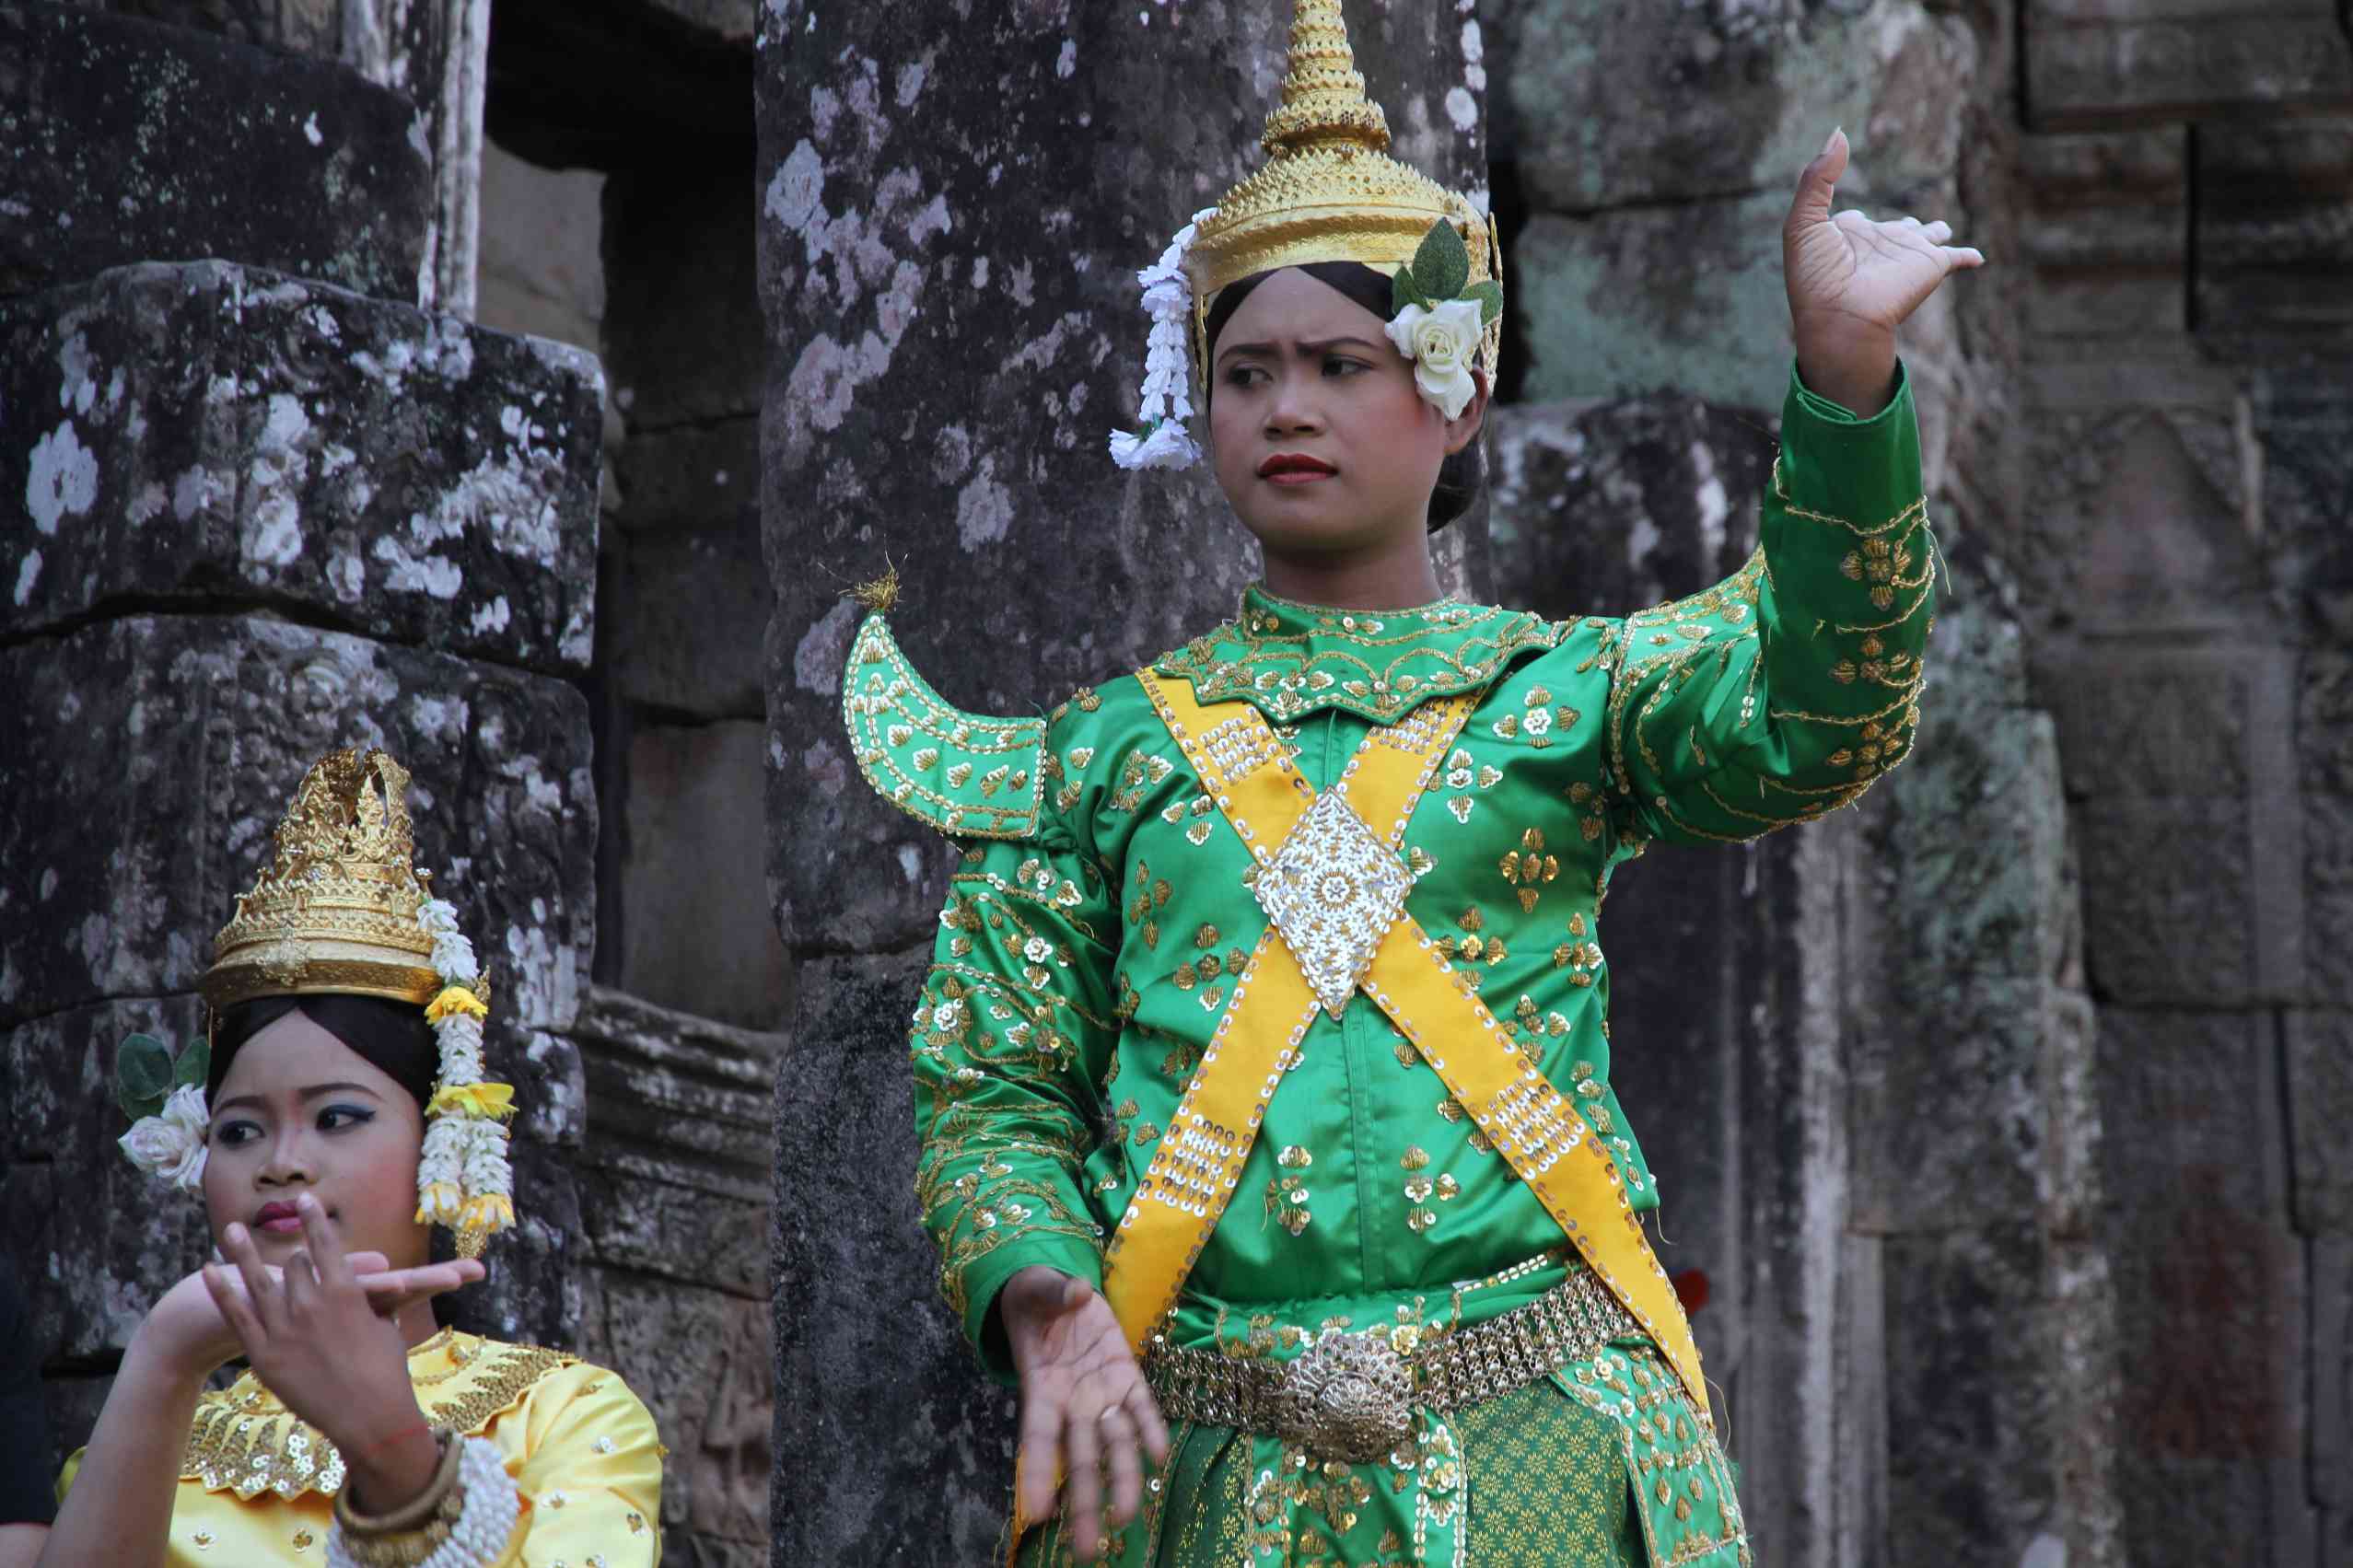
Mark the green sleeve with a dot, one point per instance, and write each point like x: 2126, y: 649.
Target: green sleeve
x: 1014, y: 1027
x: 1784, y: 692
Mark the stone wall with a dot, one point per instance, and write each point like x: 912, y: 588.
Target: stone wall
x: 617, y: 205
x: 274, y: 506
x: 2078, y: 997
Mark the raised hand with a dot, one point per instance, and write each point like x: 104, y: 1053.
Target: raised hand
x: 187, y: 1326
x: 1084, y: 1409
x: 331, y: 1346
x: 1852, y: 281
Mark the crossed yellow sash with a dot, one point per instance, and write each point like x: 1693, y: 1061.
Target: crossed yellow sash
x: 1245, y: 769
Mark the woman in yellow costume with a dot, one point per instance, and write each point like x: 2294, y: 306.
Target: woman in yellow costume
x: 337, y: 1110
x: 1262, y: 1071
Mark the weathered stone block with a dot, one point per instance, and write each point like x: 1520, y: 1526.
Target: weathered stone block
x: 2205, y: 1257
x: 700, y: 1361
x: 2303, y: 421
x: 95, y: 1240
x: 299, y: 446
x: 1685, y: 299
x: 1756, y: 87
x: 542, y: 267
x: 1962, y: 905
x: 1612, y: 508
x: 2331, y: 1395
x: 152, y: 756
x: 688, y: 477
x: 679, y: 1169
x: 2320, y: 1106
x: 2275, y: 225
x: 860, y: 1333
x: 2138, y: 522
x: 695, y: 930
x: 689, y: 614
x: 124, y: 141
x: 2091, y: 61
x: 2107, y: 236
x: 1976, y: 1411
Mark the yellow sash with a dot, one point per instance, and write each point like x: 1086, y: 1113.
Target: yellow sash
x: 1245, y: 769
x: 1243, y: 766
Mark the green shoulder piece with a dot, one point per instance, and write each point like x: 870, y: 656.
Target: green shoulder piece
x: 969, y: 776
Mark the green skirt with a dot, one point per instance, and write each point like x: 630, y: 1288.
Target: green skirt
x: 1604, y: 1465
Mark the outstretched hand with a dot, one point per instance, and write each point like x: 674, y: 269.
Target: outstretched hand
x: 1085, y: 1408
x: 1852, y: 281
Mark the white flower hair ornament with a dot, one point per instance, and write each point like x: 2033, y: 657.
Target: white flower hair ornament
x: 1441, y: 318
x: 1161, y: 440
x: 462, y: 1178
x: 165, y: 1100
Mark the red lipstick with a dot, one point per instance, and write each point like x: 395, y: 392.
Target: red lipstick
x: 1295, y: 467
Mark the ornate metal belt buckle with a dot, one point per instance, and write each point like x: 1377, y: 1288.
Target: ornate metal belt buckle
x: 1349, y: 1397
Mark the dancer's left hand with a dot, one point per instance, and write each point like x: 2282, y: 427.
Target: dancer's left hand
x: 1852, y: 281
x: 337, y: 1360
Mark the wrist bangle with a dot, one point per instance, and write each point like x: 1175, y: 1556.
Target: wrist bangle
x: 413, y: 1515
x: 472, y: 1522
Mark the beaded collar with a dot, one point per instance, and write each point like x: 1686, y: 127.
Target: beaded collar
x: 244, y: 1440
x: 1290, y: 659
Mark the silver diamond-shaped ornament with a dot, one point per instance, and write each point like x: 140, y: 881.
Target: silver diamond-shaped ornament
x: 1332, y: 892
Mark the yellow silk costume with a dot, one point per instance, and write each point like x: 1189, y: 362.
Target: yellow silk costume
x: 258, y: 1485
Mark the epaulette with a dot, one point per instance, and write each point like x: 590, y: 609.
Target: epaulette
x: 968, y: 775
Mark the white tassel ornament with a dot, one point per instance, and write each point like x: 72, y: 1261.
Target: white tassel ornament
x: 1166, y: 400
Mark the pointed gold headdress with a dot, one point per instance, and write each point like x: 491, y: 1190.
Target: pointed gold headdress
x: 1328, y: 191
x: 336, y: 908
x: 341, y: 907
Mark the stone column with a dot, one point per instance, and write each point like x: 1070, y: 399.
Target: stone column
x: 953, y: 209
x: 269, y: 506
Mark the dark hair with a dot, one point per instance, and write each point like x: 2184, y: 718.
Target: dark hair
x: 1463, y: 475
x: 392, y: 1035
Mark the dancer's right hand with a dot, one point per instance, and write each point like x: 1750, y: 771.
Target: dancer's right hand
x: 1085, y: 1408
x: 186, y: 1330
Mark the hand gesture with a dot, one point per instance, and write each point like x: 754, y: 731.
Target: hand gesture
x: 1084, y: 1406
x: 1852, y: 281
x: 323, y: 1339
x: 187, y: 1326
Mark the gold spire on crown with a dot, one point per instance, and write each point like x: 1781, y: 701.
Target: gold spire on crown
x: 336, y: 908
x: 1328, y: 191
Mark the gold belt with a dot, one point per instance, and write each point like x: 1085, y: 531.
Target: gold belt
x: 1351, y: 1396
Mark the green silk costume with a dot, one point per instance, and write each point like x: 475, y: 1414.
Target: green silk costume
x: 1092, y: 931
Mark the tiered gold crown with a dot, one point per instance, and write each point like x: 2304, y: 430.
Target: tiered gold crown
x: 336, y: 908
x: 1328, y: 191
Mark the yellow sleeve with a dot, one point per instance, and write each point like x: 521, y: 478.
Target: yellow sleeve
x: 586, y: 1459
x: 65, y: 1477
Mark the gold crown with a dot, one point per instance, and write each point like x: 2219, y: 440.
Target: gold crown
x: 1328, y: 191
x: 336, y: 908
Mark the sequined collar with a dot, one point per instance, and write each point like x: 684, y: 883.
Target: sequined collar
x: 1290, y: 659
x: 244, y: 1440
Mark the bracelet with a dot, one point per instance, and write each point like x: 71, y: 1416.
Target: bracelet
x: 413, y: 1515
x: 471, y: 1522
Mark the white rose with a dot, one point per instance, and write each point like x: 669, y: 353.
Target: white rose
x: 170, y: 1145
x: 1441, y: 343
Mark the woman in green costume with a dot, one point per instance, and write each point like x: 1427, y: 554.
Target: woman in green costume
x: 1263, y: 1068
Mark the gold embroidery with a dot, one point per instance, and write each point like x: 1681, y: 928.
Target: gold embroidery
x: 1291, y: 659
x: 245, y: 1441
